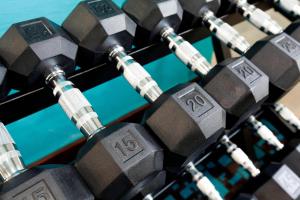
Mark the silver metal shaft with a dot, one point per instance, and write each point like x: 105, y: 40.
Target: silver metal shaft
x: 265, y: 133
x: 224, y: 32
x: 74, y: 103
x: 148, y: 197
x: 11, y: 163
x: 290, y: 6
x: 185, y: 51
x: 135, y: 74
x: 203, y: 183
x: 258, y: 18
x: 239, y: 156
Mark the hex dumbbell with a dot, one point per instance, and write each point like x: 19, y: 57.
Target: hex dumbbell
x: 187, y: 136
x: 44, y: 182
x: 281, y: 177
x: 123, y: 156
x: 246, y: 93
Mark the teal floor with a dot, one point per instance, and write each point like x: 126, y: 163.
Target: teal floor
x: 49, y: 130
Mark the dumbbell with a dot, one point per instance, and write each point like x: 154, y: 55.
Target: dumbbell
x: 256, y: 16
x: 122, y: 156
x: 193, y: 130
x: 281, y: 177
x: 259, y: 51
x: 44, y: 182
x: 167, y: 103
x: 244, y: 97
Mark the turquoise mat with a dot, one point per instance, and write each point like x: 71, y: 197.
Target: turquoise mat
x: 49, y: 130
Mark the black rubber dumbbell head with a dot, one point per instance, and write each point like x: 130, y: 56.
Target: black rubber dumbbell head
x: 97, y: 26
x: 31, y: 48
x: 186, y: 119
x: 152, y: 16
x: 239, y: 87
x: 121, y: 159
x: 294, y: 30
x: 61, y: 182
x: 279, y: 58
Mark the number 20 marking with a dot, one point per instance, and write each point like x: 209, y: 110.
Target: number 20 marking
x: 197, y: 100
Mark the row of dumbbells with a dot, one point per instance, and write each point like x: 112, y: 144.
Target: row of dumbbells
x: 127, y: 160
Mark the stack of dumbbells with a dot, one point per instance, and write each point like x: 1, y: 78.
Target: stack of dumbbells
x: 183, y: 126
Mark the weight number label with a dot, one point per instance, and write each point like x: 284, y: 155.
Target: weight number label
x: 288, y: 181
x: 102, y: 8
x: 196, y: 102
x: 246, y: 72
x: 36, y: 31
x: 38, y: 191
x: 126, y: 146
x: 288, y: 45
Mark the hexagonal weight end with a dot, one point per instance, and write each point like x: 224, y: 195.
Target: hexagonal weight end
x: 279, y: 58
x: 119, y: 157
x: 238, y: 86
x: 105, y: 25
x: 294, y: 30
x: 152, y: 16
x: 186, y: 119
x: 60, y: 182
x: 31, y: 47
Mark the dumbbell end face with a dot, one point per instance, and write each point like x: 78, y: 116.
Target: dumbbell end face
x: 46, y: 183
x: 105, y: 25
x: 120, y: 157
x: 294, y: 30
x: 152, y: 16
x: 238, y: 86
x: 11, y: 163
x: 283, y: 69
x: 39, y: 44
x: 199, y: 119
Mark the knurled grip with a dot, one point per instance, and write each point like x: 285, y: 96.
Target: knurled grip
x: 11, y: 163
x: 290, y: 6
x: 259, y: 18
x: 136, y: 75
x: 225, y: 33
x: 185, y: 51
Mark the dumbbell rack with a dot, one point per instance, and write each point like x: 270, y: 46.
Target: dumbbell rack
x: 24, y: 103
